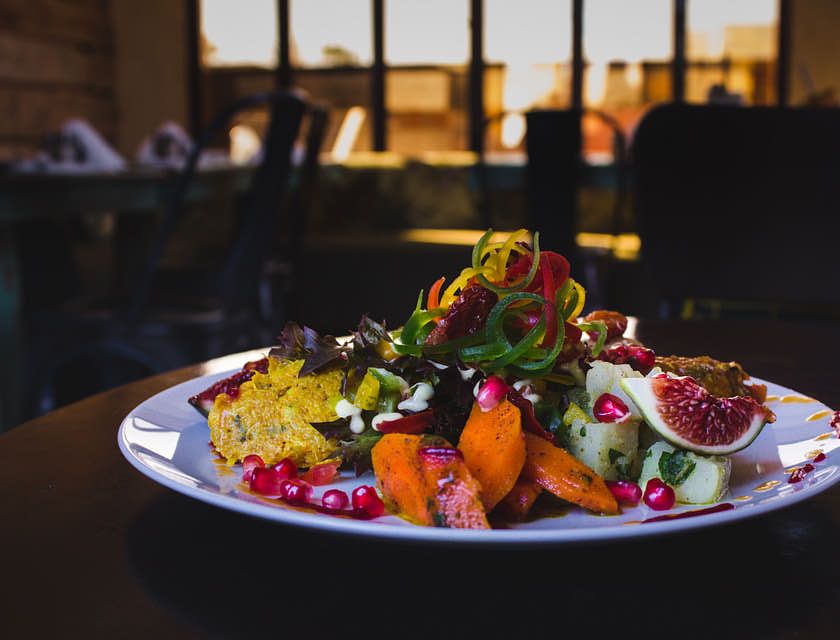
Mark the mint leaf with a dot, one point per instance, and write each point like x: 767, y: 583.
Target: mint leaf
x: 614, y: 455
x: 675, y: 467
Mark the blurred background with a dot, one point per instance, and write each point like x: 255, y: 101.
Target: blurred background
x: 442, y: 119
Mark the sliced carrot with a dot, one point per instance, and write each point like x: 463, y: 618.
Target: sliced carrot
x: 493, y: 445
x: 557, y: 471
x: 400, y: 477
x: 456, y: 491
x: 517, y: 504
x: 424, y: 480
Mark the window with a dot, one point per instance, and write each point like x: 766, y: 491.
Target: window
x: 403, y: 76
x: 231, y: 37
x: 520, y: 77
x: 426, y: 52
x: 731, y: 51
x: 627, y: 49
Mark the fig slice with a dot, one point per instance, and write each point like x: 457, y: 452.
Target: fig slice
x: 688, y: 416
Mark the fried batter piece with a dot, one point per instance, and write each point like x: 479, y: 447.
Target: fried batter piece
x: 272, y: 416
x: 721, y: 379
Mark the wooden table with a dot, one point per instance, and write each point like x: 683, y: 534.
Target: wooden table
x: 90, y: 547
x: 44, y: 197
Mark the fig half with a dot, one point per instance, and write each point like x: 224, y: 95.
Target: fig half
x: 688, y: 416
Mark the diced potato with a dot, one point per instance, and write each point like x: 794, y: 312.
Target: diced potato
x: 696, y: 479
x: 610, y: 449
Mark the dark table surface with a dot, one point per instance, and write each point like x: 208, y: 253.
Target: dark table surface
x: 90, y: 547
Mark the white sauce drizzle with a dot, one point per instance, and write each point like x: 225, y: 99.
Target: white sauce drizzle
x: 467, y: 374
x: 345, y: 409
x: 419, y: 401
x: 530, y: 395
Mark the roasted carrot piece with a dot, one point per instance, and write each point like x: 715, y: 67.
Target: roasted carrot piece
x: 456, y: 491
x: 424, y: 480
x: 517, y: 504
x: 557, y: 471
x: 493, y: 445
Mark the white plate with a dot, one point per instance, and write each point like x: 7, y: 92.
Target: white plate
x: 168, y: 440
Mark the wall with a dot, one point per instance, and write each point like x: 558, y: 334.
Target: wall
x: 56, y: 61
x: 151, y: 67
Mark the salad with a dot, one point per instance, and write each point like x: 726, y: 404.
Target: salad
x: 499, y: 397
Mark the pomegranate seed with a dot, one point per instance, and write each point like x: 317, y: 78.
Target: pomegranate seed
x: 366, y: 502
x: 643, y: 358
x: 819, y: 457
x: 834, y: 422
x: 440, y: 454
x: 266, y: 481
x: 658, y: 495
x: 334, y: 500
x: 296, y: 491
x: 491, y: 393
x: 322, y: 474
x: 625, y: 492
x: 610, y: 408
x: 249, y: 463
x: 286, y: 468
x: 617, y: 354
x: 801, y: 472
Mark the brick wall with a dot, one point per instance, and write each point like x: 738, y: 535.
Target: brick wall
x: 56, y: 61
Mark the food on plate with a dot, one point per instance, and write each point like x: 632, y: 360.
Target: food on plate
x: 499, y: 398
x: 425, y: 480
x: 493, y: 446
x: 557, y: 471
x: 695, y: 479
x: 721, y: 379
x: 271, y: 415
x: 688, y: 416
x: 203, y: 401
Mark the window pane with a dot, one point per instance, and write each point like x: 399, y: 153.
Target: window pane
x: 731, y: 51
x: 428, y: 32
x: 627, y: 48
x: 233, y: 37
x: 519, y: 77
x: 330, y: 33
x: 347, y: 92
x: 427, y: 51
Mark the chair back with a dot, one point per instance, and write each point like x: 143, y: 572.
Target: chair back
x: 553, y: 145
x: 555, y: 172
x: 239, y: 273
x: 738, y: 205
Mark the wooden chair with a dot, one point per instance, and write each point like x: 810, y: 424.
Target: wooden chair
x: 174, y: 318
x: 738, y: 209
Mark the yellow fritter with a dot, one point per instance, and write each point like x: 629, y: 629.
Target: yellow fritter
x: 271, y: 416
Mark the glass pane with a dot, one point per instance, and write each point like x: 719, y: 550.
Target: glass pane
x: 330, y: 33
x: 731, y: 51
x: 428, y: 32
x: 519, y: 77
x: 347, y: 92
x: 427, y: 52
x: 427, y: 109
x: 233, y: 37
x: 627, y: 48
